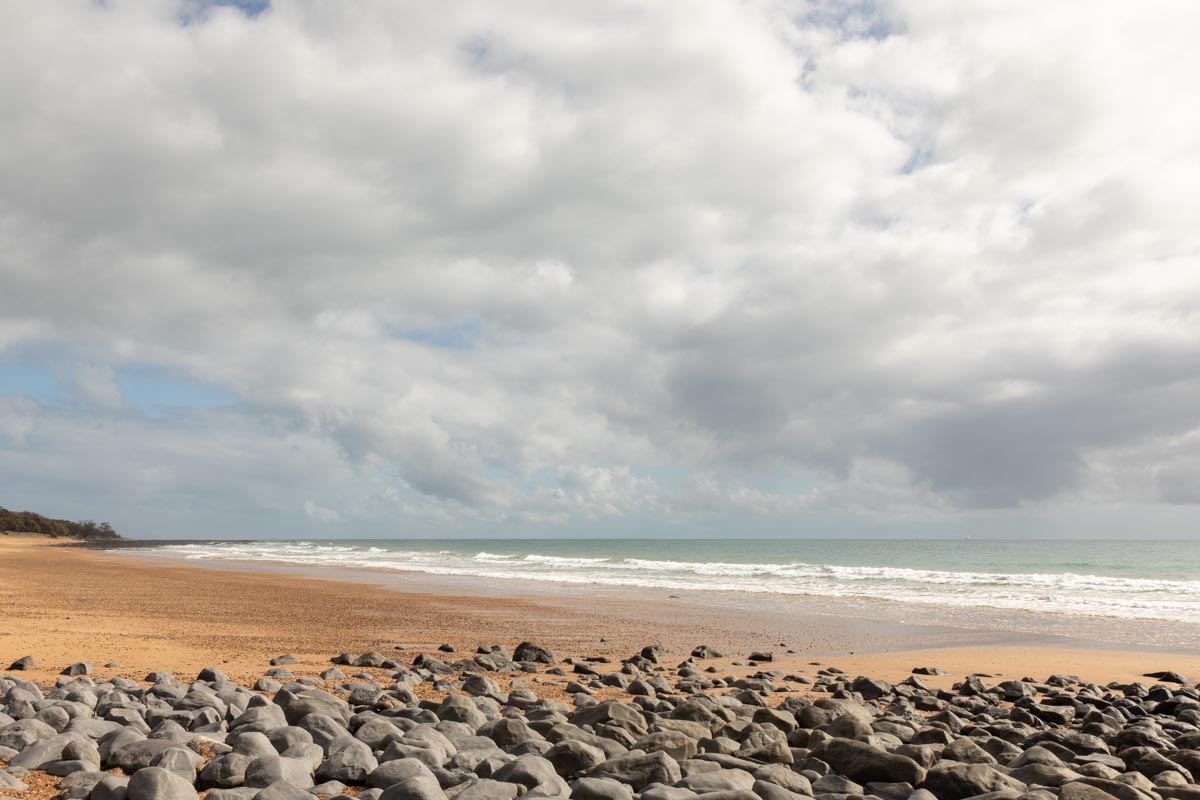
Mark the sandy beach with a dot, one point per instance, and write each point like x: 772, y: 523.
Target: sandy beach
x: 788, y: 708
x: 64, y: 604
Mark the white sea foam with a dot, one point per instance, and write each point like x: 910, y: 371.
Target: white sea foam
x: 1059, y: 593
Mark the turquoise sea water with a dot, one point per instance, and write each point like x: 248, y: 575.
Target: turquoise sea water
x: 1116, y: 579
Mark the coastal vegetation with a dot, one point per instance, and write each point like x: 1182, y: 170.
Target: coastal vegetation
x: 29, y: 522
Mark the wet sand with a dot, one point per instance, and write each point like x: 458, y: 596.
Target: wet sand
x: 63, y: 605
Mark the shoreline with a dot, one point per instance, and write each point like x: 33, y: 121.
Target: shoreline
x: 162, y: 613
x: 791, y: 687
x: 921, y: 623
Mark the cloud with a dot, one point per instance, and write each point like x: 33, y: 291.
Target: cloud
x: 319, y: 513
x: 95, y: 386
x: 514, y: 265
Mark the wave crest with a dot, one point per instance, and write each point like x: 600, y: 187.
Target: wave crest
x: 1059, y: 593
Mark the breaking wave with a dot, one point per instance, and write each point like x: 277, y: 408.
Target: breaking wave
x: 1068, y: 593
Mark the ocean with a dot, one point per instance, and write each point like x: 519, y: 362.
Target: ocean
x: 1128, y: 580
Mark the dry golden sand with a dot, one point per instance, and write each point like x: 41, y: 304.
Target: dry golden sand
x: 63, y: 605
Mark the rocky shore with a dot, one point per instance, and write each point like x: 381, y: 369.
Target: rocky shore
x: 437, y: 724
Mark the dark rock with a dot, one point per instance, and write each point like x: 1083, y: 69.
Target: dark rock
x: 487, y: 789
x: 347, y: 760
x: 281, y: 790
x: 676, y: 744
x: 600, y: 789
x: 110, y: 787
x: 784, y: 777
x: 155, y: 783
x: 571, y: 757
x: 532, y: 772
x: 1166, y: 677
x: 1056, y: 715
x: 953, y: 781
x: 265, y: 770
x: 1083, y: 791
x: 418, y: 788
x: 639, y: 769
x: 722, y: 780
x: 967, y: 751
x: 390, y: 773
x: 225, y: 771
x: 372, y: 659
x: 764, y: 790
x: 864, y: 763
x: 138, y: 754
x: 871, y: 689
x: 213, y: 675
x: 535, y: 653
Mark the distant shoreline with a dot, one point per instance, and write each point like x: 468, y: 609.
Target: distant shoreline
x: 149, y: 612
x: 906, y: 616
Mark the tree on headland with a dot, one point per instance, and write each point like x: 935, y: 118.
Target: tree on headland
x: 29, y: 522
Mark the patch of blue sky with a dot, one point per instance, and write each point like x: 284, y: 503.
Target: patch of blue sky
x: 31, y: 380
x: 477, y: 49
x: 193, y: 11
x: 922, y: 155
x: 852, y: 19
x: 159, y: 393
x: 464, y: 336
x: 785, y: 482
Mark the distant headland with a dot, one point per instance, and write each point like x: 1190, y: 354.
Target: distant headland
x: 28, y: 522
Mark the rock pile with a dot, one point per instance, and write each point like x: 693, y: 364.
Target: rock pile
x: 682, y: 734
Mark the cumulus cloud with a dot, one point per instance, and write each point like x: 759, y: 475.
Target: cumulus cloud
x: 319, y: 513
x: 95, y: 385
x: 532, y: 264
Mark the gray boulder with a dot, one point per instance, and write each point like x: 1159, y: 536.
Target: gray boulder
x: 156, y: 783
x: 390, y: 773
x: 138, y: 754
x: 536, y: 653
x: 773, y: 791
x: 10, y: 783
x: 240, y: 793
x: 347, y: 760
x: 638, y: 769
x: 950, y: 780
x: 225, y: 771
x: 298, y: 705
x: 487, y: 789
x: 573, y: 757
x: 419, y: 788
x: 532, y: 772
x: 722, y: 780
x: 863, y: 763
x: 676, y: 744
x: 265, y: 770
x: 110, y: 787
x: 282, y: 790
x: 1083, y: 791
x: 600, y: 789
x: 783, y: 776
x: 456, y: 708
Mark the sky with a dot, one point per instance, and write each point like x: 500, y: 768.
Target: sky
x: 310, y: 268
